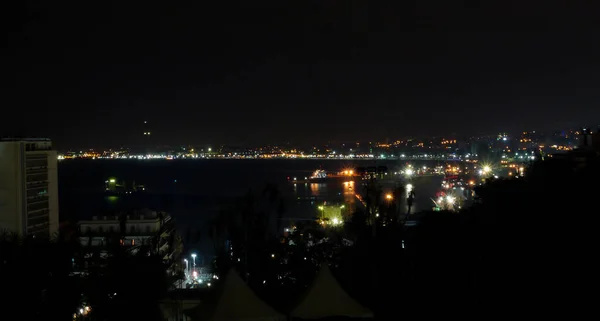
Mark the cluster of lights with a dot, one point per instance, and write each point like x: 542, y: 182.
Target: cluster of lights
x: 485, y: 170
x: 449, y: 200
x: 194, y: 276
x: 334, y: 221
x: 256, y: 155
x: 84, y: 311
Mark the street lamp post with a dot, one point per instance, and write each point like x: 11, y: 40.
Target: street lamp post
x: 194, y: 259
x: 187, y: 268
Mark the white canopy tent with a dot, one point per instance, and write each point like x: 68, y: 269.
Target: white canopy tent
x: 237, y: 303
x: 326, y: 298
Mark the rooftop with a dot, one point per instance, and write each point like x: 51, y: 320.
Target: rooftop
x: 24, y: 139
x: 144, y: 214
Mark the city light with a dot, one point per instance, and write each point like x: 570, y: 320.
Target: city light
x: 348, y: 172
x: 450, y: 199
x: 389, y: 196
x: 409, y: 172
x: 336, y: 221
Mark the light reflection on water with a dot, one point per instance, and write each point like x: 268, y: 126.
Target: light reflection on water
x: 194, y: 191
x: 310, y: 196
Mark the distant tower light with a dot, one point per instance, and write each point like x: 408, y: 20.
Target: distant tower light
x: 145, y: 121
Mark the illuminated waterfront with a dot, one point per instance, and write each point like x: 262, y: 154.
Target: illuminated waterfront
x: 195, y: 191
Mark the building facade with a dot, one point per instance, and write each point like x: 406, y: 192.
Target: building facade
x: 28, y: 187
x: 131, y: 230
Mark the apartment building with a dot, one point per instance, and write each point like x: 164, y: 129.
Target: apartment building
x: 28, y: 187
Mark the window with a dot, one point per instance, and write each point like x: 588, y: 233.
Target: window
x: 100, y: 229
x: 111, y: 229
x: 37, y: 177
x: 148, y: 228
x: 132, y: 229
x: 38, y: 206
x: 132, y: 242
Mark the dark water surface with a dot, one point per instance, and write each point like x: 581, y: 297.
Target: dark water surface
x: 194, y: 190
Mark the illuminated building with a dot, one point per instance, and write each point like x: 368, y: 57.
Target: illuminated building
x: 28, y: 186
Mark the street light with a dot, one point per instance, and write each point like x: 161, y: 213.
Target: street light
x: 187, y: 268
x: 388, y: 197
x: 194, y: 259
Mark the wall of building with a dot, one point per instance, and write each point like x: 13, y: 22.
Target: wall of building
x: 107, y: 224
x: 29, y: 187
x: 98, y: 230
x: 11, y: 186
x: 53, y: 191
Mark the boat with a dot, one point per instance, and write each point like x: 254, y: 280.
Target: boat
x: 321, y: 176
x: 114, y: 187
x: 318, y: 176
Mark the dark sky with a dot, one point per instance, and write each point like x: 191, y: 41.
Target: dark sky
x: 88, y: 73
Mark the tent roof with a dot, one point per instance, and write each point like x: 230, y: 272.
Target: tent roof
x: 238, y: 303
x: 326, y: 298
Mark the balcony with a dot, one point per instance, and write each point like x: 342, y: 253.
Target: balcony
x: 37, y: 184
x: 34, y: 201
x: 36, y: 169
x: 38, y: 211
x: 115, y: 232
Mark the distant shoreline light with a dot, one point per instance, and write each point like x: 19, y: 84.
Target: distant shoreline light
x: 265, y: 156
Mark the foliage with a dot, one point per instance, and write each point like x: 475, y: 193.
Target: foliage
x: 522, y: 239
x: 130, y: 285
x: 36, y: 278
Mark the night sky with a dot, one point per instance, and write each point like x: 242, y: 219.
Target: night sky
x: 88, y: 73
